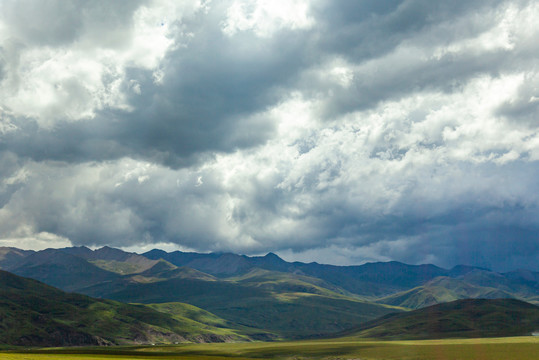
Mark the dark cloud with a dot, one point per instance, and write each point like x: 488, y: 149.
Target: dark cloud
x: 216, y: 87
x: 367, y: 29
x: 394, y: 47
x: 210, y: 99
x: 357, y: 131
x: 495, y: 225
x: 10, y: 173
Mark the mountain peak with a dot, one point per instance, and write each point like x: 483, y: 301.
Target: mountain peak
x: 464, y: 269
x: 108, y: 253
x: 81, y: 251
x: 155, y: 251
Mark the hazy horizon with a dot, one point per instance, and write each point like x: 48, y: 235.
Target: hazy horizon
x: 285, y: 257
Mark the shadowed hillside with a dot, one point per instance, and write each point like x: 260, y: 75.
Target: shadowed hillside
x: 462, y: 318
x: 274, y: 303
x: 32, y: 313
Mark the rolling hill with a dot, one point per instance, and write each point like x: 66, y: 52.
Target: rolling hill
x: 276, y: 304
x: 440, y: 290
x: 35, y: 314
x: 469, y: 318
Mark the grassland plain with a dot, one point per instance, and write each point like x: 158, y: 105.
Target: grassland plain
x: 516, y: 348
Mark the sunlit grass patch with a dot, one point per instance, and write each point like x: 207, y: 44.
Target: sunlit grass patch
x: 515, y: 348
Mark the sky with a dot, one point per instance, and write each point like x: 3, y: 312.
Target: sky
x: 335, y: 131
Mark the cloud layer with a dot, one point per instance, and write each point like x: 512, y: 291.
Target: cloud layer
x: 334, y: 131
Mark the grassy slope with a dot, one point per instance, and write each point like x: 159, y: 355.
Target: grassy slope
x: 521, y: 348
x: 461, y: 318
x: 119, y: 267
x: 294, y: 315
x: 130, y: 265
x: 32, y: 313
x: 420, y: 297
x: 519, y: 288
x: 199, y: 322
x: 285, y: 282
x: 441, y: 290
x: 274, y: 303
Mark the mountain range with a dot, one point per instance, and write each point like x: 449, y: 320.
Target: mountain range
x: 230, y: 297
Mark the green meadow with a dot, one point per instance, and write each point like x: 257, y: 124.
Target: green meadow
x: 515, y: 348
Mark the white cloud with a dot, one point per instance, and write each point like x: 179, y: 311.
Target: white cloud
x: 265, y: 17
x: 54, y: 79
x: 27, y: 240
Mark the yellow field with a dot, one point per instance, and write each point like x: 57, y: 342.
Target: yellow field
x: 516, y: 348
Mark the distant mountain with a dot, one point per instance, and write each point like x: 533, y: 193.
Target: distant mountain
x: 439, y: 290
x: 461, y: 318
x: 386, y: 282
x: 523, y: 275
x: 74, y: 268
x: 163, y: 271
x: 522, y: 288
x: 113, y: 260
x: 392, y: 282
x: 62, y: 270
x: 35, y: 314
x: 80, y: 251
x: 225, y: 264
x: 371, y: 280
x: 285, y: 282
x: 10, y: 256
x: 461, y: 270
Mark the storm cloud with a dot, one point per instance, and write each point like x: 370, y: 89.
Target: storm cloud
x: 330, y: 131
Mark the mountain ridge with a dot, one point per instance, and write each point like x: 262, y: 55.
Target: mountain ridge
x: 263, y: 297
x: 375, y: 281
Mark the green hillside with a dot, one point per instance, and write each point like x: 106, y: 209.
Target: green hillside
x: 440, y: 290
x: 164, y: 270
x: 268, y: 302
x: 32, y: 313
x: 115, y: 260
x: 470, y: 318
x: 285, y: 282
x: 205, y: 326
